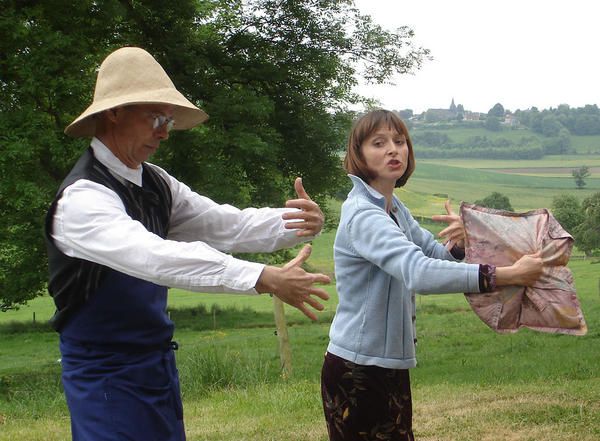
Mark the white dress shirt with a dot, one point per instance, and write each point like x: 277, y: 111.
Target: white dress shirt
x: 91, y: 223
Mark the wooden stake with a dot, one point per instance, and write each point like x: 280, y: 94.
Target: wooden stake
x: 285, y: 353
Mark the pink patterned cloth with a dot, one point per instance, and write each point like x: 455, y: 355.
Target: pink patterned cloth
x: 500, y: 238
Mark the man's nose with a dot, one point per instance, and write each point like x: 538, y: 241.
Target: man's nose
x: 162, y: 132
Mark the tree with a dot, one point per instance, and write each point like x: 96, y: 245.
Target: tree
x: 580, y: 174
x: 496, y: 200
x: 492, y: 123
x: 587, y: 233
x: 497, y: 111
x: 276, y: 78
x: 550, y: 125
x: 558, y: 145
x: 405, y: 114
x: 567, y: 211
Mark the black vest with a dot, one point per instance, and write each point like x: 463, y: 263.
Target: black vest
x: 73, y: 280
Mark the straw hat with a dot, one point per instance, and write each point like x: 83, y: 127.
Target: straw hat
x: 131, y: 75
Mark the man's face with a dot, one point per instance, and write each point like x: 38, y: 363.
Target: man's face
x: 133, y: 138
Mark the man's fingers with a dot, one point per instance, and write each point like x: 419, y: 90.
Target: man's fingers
x: 300, y: 191
x: 315, y: 304
x: 306, y: 233
x: 307, y: 312
x: 319, y: 292
x: 300, y: 225
x: 301, y: 204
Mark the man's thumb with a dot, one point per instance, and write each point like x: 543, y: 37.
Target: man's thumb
x: 300, y: 191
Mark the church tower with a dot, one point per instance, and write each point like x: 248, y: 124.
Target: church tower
x: 452, y: 106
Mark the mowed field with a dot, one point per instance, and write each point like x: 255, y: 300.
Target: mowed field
x: 528, y: 184
x: 471, y: 384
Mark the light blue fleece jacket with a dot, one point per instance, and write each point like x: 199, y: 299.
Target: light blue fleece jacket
x: 379, y: 266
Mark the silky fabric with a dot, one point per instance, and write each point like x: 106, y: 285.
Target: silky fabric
x: 500, y: 238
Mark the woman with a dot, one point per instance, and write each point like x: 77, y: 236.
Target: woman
x: 382, y: 258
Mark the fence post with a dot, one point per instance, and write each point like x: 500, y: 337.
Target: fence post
x: 285, y: 353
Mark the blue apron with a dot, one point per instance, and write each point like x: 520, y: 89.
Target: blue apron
x: 119, y: 372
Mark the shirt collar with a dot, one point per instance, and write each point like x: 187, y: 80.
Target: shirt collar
x: 114, y: 164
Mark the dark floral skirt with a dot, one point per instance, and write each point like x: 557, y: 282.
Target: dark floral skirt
x: 363, y: 403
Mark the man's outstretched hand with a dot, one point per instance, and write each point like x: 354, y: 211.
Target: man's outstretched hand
x: 309, y: 220
x: 293, y: 285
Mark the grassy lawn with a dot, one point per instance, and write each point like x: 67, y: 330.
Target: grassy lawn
x: 558, y: 161
x: 470, y: 384
x: 427, y: 188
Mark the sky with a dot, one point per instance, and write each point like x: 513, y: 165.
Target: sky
x: 520, y: 53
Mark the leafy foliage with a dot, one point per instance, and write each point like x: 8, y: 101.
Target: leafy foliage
x: 587, y: 233
x: 577, y: 121
x: 579, y: 175
x: 276, y: 78
x: 437, y: 144
x: 496, y: 200
x: 581, y: 220
x: 497, y: 111
x: 567, y: 211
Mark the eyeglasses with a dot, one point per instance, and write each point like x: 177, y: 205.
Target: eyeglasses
x: 160, y: 120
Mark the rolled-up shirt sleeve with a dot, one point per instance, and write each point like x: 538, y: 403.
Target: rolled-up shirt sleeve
x: 91, y: 223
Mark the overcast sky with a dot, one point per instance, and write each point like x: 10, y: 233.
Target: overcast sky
x: 521, y: 53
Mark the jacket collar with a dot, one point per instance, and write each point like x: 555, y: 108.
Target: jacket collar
x: 361, y: 188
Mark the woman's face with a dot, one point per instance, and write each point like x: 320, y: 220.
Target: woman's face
x: 386, y: 154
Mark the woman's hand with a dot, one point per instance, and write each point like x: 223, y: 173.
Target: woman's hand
x: 524, y: 272
x: 454, y: 233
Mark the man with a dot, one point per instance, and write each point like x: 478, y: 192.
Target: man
x: 121, y: 231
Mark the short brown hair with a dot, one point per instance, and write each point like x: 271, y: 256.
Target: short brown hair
x: 354, y: 162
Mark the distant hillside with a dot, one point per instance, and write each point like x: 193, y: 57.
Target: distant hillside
x: 501, y: 134
x: 432, y: 183
x: 471, y: 140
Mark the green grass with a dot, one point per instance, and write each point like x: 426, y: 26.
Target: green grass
x: 586, y: 144
x: 546, y: 161
x: 426, y: 189
x: 470, y: 384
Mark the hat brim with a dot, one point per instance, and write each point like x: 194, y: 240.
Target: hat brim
x: 185, y: 114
